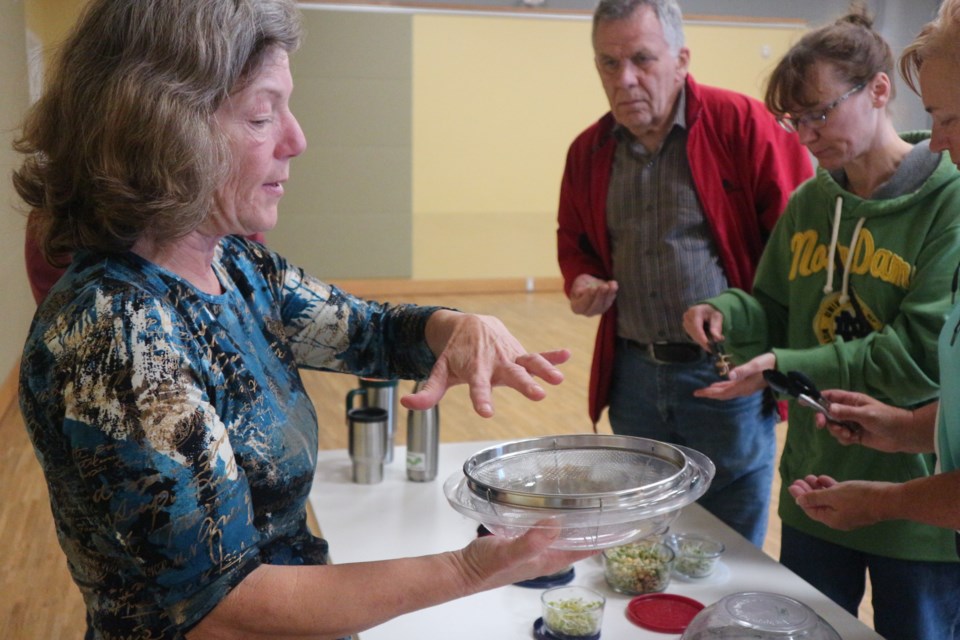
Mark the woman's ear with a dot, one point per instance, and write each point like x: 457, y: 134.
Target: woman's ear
x: 881, y: 90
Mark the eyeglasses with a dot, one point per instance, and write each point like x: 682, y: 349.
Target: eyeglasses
x: 815, y: 120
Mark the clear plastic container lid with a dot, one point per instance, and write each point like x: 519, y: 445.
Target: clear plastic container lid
x: 757, y: 615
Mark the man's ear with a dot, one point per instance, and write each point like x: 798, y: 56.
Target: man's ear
x: 683, y: 61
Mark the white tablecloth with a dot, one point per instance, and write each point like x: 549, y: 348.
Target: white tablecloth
x: 398, y: 518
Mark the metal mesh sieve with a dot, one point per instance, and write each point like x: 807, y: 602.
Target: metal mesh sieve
x: 598, y: 490
x: 578, y: 472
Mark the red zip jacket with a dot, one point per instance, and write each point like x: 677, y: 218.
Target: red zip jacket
x: 744, y: 166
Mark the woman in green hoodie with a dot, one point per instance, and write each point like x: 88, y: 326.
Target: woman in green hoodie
x: 852, y: 289
x: 931, y: 66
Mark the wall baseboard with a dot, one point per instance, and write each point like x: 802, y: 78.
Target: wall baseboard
x: 372, y: 288
x: 9, y: 390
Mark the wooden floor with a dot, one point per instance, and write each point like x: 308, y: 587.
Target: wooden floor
x: 37, y: 597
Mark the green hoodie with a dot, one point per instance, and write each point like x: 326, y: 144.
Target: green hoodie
x: 877, y: 334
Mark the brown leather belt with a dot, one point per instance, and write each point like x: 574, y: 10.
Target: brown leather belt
x: 668, y: 352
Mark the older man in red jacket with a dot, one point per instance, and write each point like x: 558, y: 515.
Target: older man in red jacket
x: 666, y: 200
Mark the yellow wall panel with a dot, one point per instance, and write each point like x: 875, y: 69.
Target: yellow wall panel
x: 737, y: 57
x: 488, y: 245
x: 496, y: 102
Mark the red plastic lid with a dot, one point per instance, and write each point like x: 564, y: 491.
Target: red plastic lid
x: 663, y: 612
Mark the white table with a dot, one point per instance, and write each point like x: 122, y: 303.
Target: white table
x: 398, y: 518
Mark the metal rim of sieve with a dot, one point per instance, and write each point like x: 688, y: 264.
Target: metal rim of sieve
x: 521, y: 451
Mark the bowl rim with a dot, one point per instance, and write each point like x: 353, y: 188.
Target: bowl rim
x: 675, y: 540
x: 689, y: 465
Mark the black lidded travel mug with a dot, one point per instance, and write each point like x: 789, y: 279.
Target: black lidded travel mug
x: 367, y: 439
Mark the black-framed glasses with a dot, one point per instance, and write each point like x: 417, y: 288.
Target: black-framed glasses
x: 815, y: 120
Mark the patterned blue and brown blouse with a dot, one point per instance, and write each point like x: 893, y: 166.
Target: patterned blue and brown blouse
x: 174, y: 431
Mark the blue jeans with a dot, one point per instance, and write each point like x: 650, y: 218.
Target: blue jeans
x: 653, y: 400
x: 912, y: 599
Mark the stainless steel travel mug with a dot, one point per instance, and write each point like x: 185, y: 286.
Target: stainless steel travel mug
x: 383, y: 394
x: 423, y: 441
x: 368, y: 426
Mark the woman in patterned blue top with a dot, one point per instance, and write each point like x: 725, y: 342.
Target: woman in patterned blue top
x: 159, y: 381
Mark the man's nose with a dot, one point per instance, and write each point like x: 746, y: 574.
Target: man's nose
x: 627, y: 75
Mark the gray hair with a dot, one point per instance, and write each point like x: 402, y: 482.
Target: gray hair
x: 667, y: 12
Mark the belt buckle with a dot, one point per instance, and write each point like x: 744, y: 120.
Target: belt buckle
x: 652, y: 352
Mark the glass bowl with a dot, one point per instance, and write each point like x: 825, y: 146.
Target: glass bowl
x: 572, y: 612
x: 757, y: 615
x: 638, y: 568
x: 599, y: 490
x: 697, y: 555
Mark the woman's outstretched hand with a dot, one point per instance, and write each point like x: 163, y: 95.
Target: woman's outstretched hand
x: 479, y: 351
